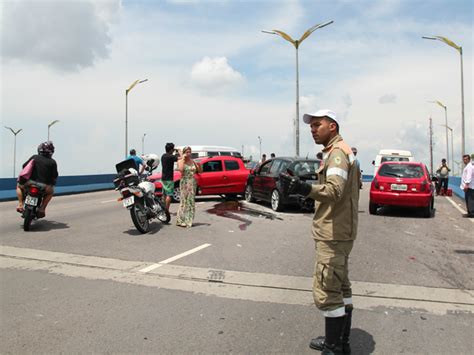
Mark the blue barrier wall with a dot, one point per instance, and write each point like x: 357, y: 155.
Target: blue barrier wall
x: 88, y: 183
x: 65, y: 185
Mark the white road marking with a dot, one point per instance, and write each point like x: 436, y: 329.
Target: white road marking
x: 174, y: 258
x: 109, y: 201
x: 256, y: 287
x: 409, y: 233
x: 458, y: 208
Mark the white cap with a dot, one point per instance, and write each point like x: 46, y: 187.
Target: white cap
x: 321, y: 113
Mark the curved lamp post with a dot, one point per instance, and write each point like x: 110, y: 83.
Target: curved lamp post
x: 296, y: 43
x: 14, y: 147
x: 452, y: 146
x: 143, y: 143
x: 260, y: 145
x: 126, y: 111
x: 459, y: 49
x: 50, y: 124
x: 445, y: 125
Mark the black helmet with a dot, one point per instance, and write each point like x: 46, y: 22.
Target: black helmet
x: 46, y: 149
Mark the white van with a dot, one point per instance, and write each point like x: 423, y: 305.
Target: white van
x: 391, y: 155
x: 202, y: 151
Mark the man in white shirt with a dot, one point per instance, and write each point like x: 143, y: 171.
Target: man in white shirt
x: 467, y: 184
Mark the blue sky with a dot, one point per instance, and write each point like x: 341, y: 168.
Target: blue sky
x: 215, y: 79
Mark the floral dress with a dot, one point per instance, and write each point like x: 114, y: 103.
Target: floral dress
x: 187, y: 206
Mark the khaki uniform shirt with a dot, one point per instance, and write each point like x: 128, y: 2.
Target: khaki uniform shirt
x: 337, y: 195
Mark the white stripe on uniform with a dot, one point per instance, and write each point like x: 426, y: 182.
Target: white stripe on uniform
x: 337, y: 171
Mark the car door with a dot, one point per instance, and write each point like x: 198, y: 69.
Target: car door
x: 270, y: 180
x: 234, y: 177
x: 260, y: 178
x: 211, y: 180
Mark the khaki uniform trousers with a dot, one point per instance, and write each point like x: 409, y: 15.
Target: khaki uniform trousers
x: 331, y: 274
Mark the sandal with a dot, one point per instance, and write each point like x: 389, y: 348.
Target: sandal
x: 40, y: 214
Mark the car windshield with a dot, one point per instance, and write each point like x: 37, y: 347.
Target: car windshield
x: 393, y: 158
x: 401, y: 170
x: 305, y: 167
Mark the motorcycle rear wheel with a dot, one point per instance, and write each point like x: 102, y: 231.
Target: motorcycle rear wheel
x: 139, y: 218
x: 28, y: 215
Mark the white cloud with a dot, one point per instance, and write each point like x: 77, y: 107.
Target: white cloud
x: 64, y: 35
x: 388, y: 99
x: 215, y: 75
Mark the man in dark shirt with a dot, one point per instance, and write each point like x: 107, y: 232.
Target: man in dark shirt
x: 45, y: 171
x: 167, y: 171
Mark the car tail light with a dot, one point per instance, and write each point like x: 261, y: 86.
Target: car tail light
x: 34, y: 191
x: 376, y: 183
x: 126, y: 193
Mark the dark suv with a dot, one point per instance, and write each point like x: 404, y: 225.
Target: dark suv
x: 264, y: 183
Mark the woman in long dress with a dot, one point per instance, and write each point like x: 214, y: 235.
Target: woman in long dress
x: 187, y: 186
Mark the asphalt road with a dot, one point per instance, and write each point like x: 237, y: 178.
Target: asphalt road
x: 84, y: 280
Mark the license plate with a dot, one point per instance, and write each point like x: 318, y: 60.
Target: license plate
x: 30, y: 200
x: 397, y: 187
x: 128, y: 201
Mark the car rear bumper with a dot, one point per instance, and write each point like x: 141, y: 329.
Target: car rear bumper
x: 400, y: 199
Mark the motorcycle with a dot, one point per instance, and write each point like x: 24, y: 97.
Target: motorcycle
x: 34, y: 193
x: 138, y: 196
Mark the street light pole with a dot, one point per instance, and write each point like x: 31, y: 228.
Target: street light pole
x: 126, y: 111
x: 452, y: 146
x: 143, y: 143
x: 296, y: 43
x: 14, y: 147
x: 260, y: 144
x: 445, y: 125
x: 50, y: 124
x: 459, y: 49
x: 431, y: 145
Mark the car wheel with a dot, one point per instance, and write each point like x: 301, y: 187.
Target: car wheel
x: 249, y: 194
x: 373, y: 208
x: 276, y: 201
x: 177, y: 193
x: 428, y: 210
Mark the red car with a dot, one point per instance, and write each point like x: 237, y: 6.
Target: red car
x: 221, y: 175
x: 406, y: 184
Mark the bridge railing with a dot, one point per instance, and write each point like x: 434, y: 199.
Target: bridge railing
x: 65, y: 185
x: 87, y: 183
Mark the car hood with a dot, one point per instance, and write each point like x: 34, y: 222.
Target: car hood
x: 154, y: 177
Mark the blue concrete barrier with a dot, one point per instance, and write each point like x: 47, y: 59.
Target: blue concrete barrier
x: 65, y: 185
x: 88, y: 183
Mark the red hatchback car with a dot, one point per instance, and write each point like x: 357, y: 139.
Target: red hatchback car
x: 221, y: 175
x: 405, y: 184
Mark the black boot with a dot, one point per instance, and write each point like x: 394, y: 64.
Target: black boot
x: 318, y: 343
x: 331, y: 343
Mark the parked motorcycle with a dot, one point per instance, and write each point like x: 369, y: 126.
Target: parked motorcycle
x: 138, y: 194
x: 34, y: 193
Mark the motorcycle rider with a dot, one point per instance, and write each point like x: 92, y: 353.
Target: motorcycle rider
x: 45, y: 171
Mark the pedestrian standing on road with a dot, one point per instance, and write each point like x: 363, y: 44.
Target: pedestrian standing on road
x: 167, y: 172
x: 138, y: 161
x: 263, y: 160
x: 187, y: 207
x: 272, y: 155
x: 334, y: 228
x: 354, y: 151
x: 467, y: 184
x: 443, y: 172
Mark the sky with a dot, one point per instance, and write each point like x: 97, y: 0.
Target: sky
x: 215, y: 79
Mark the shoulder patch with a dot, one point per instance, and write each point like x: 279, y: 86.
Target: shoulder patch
x: 337, y: 160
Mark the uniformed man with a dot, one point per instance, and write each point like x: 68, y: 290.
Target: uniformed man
x: 334, y: 229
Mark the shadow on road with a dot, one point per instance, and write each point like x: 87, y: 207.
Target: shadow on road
x: 402, y: 212
x: 45, y: 226
x: 362, y: 343
x: 155, y: 227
